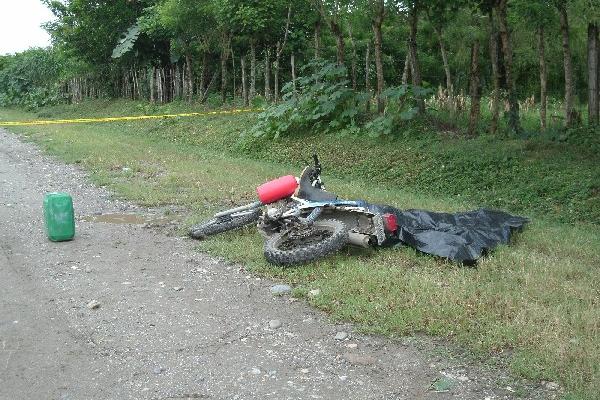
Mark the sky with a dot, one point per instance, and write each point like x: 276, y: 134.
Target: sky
x: 20, y: 22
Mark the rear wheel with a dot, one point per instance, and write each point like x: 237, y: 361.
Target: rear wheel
x: 306, y: 243
x: 223, y: 224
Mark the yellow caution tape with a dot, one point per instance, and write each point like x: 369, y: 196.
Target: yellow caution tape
x: 131, y: 118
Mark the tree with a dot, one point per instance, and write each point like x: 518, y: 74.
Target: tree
x: 507, y: 51
x: 593, y: 73
x: 279, y: 49
x: 191, y: 25
x: 494, y: 59
x: 439, y: 14
x: 250, y: 20
x: 332, y: 12
x: 378, y: 16
x: 413, y: 20
x: 570, y: 112
x: 588, y: 13
x: 225, y: 52
x: 475, y: 89
x: 166, y: 49
x: 538, y: 14
x: 90, y: 30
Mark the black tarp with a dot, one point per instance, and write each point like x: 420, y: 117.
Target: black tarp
x: 463, y: 237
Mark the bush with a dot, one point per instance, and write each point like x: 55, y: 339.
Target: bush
x: 322, y: 102
x: 401, y: 106
x: 30, y: 79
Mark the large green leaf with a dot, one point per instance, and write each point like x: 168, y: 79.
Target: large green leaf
x: 127, y: 41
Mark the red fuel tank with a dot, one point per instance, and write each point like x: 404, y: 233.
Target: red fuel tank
x: 277, y: 189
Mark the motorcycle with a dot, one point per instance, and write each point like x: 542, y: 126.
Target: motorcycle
x: 302, y: 222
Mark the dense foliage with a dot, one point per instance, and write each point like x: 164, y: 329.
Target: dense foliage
x: 30, y: 79
x: 508, y: 51
x: 320, y: 101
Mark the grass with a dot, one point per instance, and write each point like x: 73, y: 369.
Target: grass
x: 534, y: 305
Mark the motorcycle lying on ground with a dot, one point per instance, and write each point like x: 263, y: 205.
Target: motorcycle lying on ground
x: 301, y: 222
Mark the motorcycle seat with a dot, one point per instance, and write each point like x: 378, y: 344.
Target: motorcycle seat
x: 307, y: 191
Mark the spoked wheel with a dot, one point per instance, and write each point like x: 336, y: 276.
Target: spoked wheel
x: 306, y: 243
x: 223, y: 224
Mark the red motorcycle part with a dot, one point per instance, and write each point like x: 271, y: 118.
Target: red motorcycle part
x: 391, y: 222
x: 277, y: 189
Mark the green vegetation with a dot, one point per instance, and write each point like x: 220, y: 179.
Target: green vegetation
x: 30, y: 79
x: 322, y: 101
x: 532, y: 305
x: 224, y: 51
x: 543, y: 176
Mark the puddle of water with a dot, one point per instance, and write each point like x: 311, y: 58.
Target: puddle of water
x: 117, y: 218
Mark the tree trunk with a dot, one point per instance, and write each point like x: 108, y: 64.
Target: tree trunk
x: 178, y: 82
x: 209, y: 86
x: 279, y: 51
x: 318, y: 38
x: 189, y: 80
x: 513, y: 114
x: 163, y: 85
x: 593, y: 74
x: 570, y: 113
x: 334, y: 26
x: 543, y: 78
x: 223, y: 76
x: 267, y: 73
x: 293, y: 65
x: 414, y: 57
x: 152, y: 76
x: 205, y: 72
x: 407, y: 67
x: 495, y: 74
x: 233, y: 75
x: 368, y: 68
x: 252, y: 69
x: 377, y: 22
x: 158, y: 86
x: 276, y: 79
x: 244, y: 83
x: 449, y: 85
x: 475, y: 90
x: 159, y: 79
x: 353, y: 65
x: 137, y: 86
x: 224, y: 57
x: 367, y: 75
x: 339, y: 41
x: 123, y: 89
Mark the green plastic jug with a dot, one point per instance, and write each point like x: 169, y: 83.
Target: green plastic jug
x: 59, y: 216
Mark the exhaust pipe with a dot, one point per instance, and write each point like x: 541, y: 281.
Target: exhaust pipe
x: 359, y: 239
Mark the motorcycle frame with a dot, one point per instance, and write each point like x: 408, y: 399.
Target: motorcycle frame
x: 302, y: 206
x: 239, y: 210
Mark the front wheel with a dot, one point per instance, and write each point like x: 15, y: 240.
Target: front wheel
x: 306, y: 243
x: 223, y: 224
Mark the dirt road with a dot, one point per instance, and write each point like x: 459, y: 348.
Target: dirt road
x: 172, y: 323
